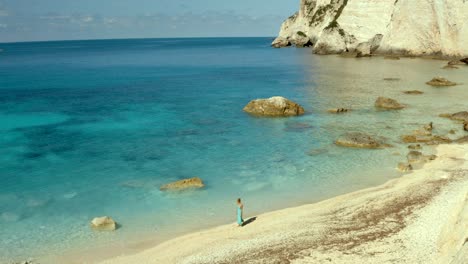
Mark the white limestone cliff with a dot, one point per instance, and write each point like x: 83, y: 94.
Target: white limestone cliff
x: 409, y: 27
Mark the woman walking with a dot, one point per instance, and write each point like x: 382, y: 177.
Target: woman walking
x: 240, y: 208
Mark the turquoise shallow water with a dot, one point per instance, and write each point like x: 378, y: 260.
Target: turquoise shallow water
x: 91, y: 128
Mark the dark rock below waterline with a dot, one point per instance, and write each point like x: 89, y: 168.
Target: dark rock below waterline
x: 450, y: 67
x: 338, y: 110
x: 276, y: 106
x: 404, y: 167
x: 194, y: 182
x: 359, y: 140
x: 459, y: 116
x: 388, y: 103
x: 391, y: 79
x: 413, y: 92
x: 439, y: 81
x: 465, y: 60
x: 391, y: 57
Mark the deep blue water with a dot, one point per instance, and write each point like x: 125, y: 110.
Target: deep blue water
x: 91, y: 128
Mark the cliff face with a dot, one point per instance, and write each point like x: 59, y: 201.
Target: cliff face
x: 422, y: 27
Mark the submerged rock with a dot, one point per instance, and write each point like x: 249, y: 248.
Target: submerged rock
x: 462, y: 140
x: 388, y: 103
x: 390, y: 57
x: 449, y: 67
x: 191, y: 183
x: 391, y: 79
x: 439, y: 81
x: 417, y: 157
x: 415, y: 146
x: 359, y: 140
x: 459, y: 116
x: 103, y: 223
x: 276, y: 106
x: 455, y: 62
x: 428, y: 139
x: 404, y: 167
x: 338, y: 110
x: 414, y: 92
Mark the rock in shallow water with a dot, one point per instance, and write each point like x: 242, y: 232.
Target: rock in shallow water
x: 359, y: 140
x: 413, y: 92
x: 439, y: 81
x: 276, y: 106
x: 194, y: 182
x: 388, y: 103
x: 404, y: 167
x: 103, y: 223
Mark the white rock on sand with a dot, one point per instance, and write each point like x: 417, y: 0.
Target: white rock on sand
x: 421, y: 217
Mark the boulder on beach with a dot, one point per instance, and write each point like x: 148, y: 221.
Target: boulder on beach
x: 439, y: 81
x: 338, y: 110
x: 359, y: 140
x: 184, y: 184
x: 388, y: 103
x: 103, y: 223
x: 276, y: 106
x: 413, y: 92
x: 418, y: 157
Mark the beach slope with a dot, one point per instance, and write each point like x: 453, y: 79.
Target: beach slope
x: 421, y: 217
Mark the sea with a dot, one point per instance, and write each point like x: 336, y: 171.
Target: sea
x: 94, y: 128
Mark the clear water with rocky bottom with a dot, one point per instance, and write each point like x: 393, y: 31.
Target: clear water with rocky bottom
x: 92, y: 128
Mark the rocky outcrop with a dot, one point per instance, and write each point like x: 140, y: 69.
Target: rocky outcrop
x: 465, y: 126
x: 103, y: 223
x: 388, y: 103
x: 276, y: 106
x: 359, y: 140
x: 465, y: 60
x: 408, y: 27
x: 184, y: 184
x: 428, y: 139
x: 439, y: 81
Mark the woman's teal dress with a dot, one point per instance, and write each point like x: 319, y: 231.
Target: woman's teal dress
x: 240, y: 221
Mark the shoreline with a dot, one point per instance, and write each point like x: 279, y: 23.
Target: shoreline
x: 375, y: 224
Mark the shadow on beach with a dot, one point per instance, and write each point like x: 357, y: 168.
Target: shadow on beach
x: 248, y: 221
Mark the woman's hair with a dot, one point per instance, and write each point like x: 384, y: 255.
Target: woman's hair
x: 238, y: 200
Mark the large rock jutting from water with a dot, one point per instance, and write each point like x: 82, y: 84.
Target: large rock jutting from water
x: 103, y: 223
x: 406, y: 27
x: 388, y: 103
x: 192, y: 183
x: 439, y: 81
x: 359, y: 140
x: 276, y: 106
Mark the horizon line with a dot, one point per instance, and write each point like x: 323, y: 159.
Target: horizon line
x: 137, y: 38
